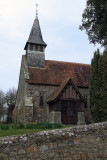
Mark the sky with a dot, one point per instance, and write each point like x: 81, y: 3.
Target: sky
x: 59, y: 21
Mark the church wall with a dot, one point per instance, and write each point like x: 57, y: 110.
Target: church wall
x: 19, y: 111
x: 30, y: 109
x: 33, y: 92
x: 41, y: 113
x: 20, y: 95
x: 21, y: 86
x: 86, y: 95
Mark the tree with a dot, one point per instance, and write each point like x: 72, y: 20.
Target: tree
x: 10, y: 99
x: 2, y: 102
x: 98, y: 86
x: 104, y: 82
x: 94, y: 86
x: 94, y: 21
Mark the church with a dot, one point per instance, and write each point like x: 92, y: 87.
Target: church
x: 48, y: 90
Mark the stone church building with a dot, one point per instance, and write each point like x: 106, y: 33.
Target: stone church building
x: 49, y: 90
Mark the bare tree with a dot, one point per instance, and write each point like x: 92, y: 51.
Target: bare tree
x: 2, y: 102
x: 10, y: 99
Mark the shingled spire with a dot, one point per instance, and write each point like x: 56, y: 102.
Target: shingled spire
x: 35, y: 36
x: 35, y: 46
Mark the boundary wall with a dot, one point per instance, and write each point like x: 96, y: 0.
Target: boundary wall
x: 87, y: 142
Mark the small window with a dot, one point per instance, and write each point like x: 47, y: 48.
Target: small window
x: 31, y: 47
x: 41, y: 103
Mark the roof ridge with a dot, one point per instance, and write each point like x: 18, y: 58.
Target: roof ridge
x: 68, y: 62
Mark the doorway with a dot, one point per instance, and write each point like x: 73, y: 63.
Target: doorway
x: 68, y: 112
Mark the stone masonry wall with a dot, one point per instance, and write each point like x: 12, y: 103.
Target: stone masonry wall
x: 86, y: 94
x: 23, y: 75
x: 20, y: 93
x: 76, y: 143
x: 28, y: 99
x: 40, y: 112
x: 19, y: 110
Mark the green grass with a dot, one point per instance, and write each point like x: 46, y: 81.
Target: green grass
x: 9, y: 130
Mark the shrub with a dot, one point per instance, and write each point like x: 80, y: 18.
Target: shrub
x: 45, y: 126
x: 13, y: 126
x: 31, y: 126
x: 4, y: 126
x: 21, y: 126
x: 57, y: 125
x: 50, y: 125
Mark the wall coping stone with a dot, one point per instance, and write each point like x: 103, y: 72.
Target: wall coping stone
x: 59, y: 133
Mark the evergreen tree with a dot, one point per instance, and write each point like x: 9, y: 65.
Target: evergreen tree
x: 94, y: 86
x: 100, y: 90
x: 104, y: 82
x: 94, y: 21
x: 98, y: 86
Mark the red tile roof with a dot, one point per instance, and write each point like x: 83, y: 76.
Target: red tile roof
x: 56, y: 71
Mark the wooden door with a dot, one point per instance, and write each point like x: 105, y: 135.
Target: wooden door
x: 68, y: 112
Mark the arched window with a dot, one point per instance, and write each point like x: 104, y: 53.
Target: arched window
x: 41, y: 100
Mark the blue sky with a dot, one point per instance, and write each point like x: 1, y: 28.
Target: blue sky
x: 59, y: 21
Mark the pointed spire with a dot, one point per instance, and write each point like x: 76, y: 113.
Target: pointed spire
x: 35, y: 36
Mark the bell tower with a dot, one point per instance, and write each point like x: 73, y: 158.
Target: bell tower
x: 35, y: 46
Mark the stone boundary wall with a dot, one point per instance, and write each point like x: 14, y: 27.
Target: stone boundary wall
x: 87, y: 142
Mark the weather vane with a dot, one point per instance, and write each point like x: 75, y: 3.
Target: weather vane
x: 36, y: 10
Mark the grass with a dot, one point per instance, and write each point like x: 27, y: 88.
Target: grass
x: 9, y: 130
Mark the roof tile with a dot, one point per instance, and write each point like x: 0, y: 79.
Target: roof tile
x: 56, y: 71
